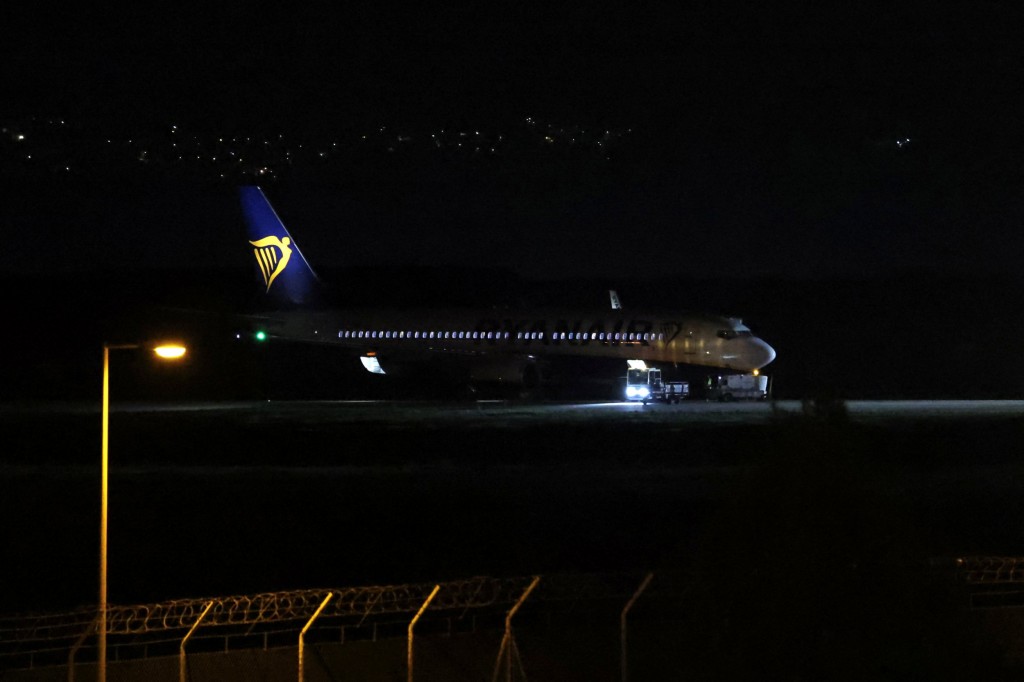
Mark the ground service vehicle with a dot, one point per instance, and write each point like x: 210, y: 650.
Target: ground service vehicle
x: 737, y: 387
x: 646, y: 385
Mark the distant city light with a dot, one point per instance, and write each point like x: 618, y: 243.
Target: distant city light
x: 269, y: 155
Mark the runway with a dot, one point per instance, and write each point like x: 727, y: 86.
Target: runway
x: 238, y: 497
x: 496, y: 412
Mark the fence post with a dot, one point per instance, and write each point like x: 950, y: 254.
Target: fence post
x: 622, y: 623
x: 508, y: 645
x: 78, y: 644
x: 302, y: 635
x: 181, y: 649
x: 412, y: 624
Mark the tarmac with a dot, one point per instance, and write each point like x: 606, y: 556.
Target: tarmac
x: 765, y: 505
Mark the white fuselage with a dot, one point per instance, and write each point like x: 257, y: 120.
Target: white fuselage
x: 657, y: 337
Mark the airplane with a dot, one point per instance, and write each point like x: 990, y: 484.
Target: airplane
x: 524, y: 351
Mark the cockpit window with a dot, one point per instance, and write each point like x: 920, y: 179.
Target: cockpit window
x: 733, y: 333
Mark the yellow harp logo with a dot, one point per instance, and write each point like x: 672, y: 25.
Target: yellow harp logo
x: 272, y: 256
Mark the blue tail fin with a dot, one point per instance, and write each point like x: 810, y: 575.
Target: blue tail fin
x: 280, y: 265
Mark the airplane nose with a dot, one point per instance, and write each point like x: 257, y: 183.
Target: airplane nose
x: 760, y: 353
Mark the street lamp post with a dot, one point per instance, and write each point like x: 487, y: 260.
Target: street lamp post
x: 166, y: 351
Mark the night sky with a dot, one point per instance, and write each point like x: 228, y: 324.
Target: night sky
x: 750, y: 138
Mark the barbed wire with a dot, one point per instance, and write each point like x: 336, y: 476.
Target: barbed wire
x: 991, y: 569
x: 165, y: 621
x: 270, y: 607
x: 46, y: 627
x: 52, y: 637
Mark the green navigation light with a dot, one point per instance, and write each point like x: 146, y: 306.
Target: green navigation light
x: 261, y: 335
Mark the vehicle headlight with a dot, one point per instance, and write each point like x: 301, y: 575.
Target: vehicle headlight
x: 643, y: 391
x: 631, y: 391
